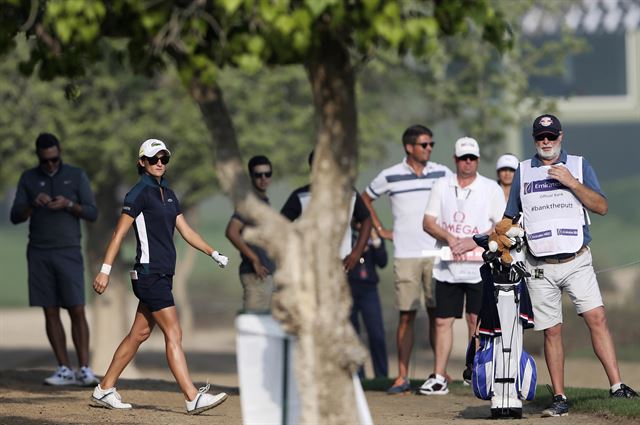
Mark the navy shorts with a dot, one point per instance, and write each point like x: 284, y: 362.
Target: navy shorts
x: 56, y: 277
x: 450, y: 298
x: 154, y: 290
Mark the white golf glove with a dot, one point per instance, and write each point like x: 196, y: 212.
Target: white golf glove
x: 219, y: 258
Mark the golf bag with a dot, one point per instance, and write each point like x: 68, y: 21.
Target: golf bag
x: 501, y: 371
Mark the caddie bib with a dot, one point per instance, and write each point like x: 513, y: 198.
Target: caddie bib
x: 465, y: 212
x: 552, y: 215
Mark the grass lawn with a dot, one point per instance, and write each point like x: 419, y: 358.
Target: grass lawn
x: 592, y: 400
x: 13, y: 255
x: 584, y: 400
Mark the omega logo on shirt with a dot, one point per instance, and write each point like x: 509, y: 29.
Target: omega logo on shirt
x: 458, y: 226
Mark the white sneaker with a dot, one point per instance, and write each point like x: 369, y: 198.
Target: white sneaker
x: 62, y: 376
x: 86, y: 378
x: 204, y: 401
x: 435, y: 385
x: 108, y: 398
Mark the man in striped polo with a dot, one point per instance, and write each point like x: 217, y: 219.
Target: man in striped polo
x: 408, y: 185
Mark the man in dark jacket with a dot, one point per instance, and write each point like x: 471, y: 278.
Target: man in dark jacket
x: 363, y: 281
x: 54, y: 197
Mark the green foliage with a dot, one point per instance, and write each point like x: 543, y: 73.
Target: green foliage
x: 483, y: 87
x: 205, y: 36
x: 101, y: 129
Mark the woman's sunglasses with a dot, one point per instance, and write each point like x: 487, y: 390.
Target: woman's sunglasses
x: 154, y: 159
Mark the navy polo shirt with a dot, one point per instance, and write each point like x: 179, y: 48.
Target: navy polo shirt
x: 589, y: 179
x: 154, y: 212
x: 50, y: 229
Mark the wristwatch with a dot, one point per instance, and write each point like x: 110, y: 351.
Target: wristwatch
x: 70, y: 205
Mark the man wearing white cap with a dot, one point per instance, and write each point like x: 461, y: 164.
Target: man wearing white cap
x: 506, y: 167
x: 461, y: 206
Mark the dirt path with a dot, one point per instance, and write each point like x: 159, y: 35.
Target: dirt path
x: 26, y: 359
x: 24, y: 400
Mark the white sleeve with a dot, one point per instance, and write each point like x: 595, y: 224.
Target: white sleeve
x: 378, y: 186
x: 435, y: 199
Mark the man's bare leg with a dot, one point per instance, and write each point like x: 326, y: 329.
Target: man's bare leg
x: 404, y: 341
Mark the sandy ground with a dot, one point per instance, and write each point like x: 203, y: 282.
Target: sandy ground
x: 25, y: 360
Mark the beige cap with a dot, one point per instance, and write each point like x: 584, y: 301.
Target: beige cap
x: 151, y: 147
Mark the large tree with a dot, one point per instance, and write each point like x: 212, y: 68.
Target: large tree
x: 327, y: 37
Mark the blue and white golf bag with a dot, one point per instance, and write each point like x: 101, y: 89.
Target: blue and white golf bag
x: 501, y: 370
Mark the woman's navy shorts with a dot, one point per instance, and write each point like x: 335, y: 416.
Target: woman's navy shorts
x: 154, y: 290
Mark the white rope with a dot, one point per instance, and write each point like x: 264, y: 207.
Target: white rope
x: 622, y: 266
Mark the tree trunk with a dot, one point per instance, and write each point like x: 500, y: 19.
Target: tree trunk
x: 328, y: 341
x: 312, y: 299
x: 111, y: 317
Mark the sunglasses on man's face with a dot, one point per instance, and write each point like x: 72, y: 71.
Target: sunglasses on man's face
x: 53, y: 160
x: 550, y: 137
x: 465, y: 158
x: 154, y: 159
x: 425, y: 144
x: 261, y: 175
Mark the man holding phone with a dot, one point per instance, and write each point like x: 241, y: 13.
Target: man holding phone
x: 54, y: 197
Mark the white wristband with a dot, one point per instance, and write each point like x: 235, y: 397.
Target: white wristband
x: 106, y: 269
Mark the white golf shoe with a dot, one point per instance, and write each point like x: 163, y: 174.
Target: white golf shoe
x: 204, y: 401
x: 85, y: 377
x: 108, y: 398
x: 62, y: 376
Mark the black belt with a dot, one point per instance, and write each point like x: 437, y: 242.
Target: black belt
x: 562, y: 258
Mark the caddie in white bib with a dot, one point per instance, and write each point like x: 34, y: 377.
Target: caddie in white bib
x: 553, y: 216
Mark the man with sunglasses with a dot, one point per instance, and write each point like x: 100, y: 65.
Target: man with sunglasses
x: 256, y: 269
x: 408, y: 185
x: 554, y: 190
x: 54, y: 197
x: 461, y: 206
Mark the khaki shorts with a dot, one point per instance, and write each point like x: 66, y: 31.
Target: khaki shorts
x: 576, y: 277
x: 256, y: 294
x: 413, y: 283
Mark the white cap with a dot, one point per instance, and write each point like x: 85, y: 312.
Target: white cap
x: 151, y: 147
x: 467, y: 146
x: 508, y: 161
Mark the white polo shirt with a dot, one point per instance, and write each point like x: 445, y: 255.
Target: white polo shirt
x: 464, y: 212
x: 408, y: 194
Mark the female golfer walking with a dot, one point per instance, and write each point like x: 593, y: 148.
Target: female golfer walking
x: 154, y: 211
